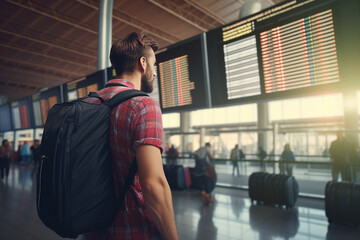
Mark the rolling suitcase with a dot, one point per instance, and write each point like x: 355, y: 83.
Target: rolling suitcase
x: 187, y: 177
x: 290, y: 192
x: 256, y: 186
x: 342, y: 203
x: 275, y: 189
x: 175, y: 176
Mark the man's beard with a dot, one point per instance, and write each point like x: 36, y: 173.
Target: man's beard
x: 146, y: 84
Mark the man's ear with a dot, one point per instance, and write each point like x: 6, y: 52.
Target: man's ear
x: 142, y: 63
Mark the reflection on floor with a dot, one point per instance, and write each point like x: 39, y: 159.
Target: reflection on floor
x: 232, y: 216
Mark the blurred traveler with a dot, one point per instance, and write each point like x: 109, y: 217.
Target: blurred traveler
x: 171, y: 156
x: 136, y: 135
x: 6, y: 155
x: 287, y: 155
x: 236, y: 156
x: 25, y: 153
x: 339, y: 153
x: 261, y: 154
x: 35, y: 152
x: 205, y: 172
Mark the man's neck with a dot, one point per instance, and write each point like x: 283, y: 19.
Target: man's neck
x: 134, y: 78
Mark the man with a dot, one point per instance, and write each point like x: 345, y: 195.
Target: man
x: 171, y: 156
x: 25, y: 153
x: 339, y: 152
x: 35, y: 152
x: 262, y: 155
x: 5, y: 159
x: 236, y: 155
x: 136, y: 131
x: 204, y: 167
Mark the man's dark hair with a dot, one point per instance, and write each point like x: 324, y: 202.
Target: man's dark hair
x: 207, y: 144
x: 126, y: 52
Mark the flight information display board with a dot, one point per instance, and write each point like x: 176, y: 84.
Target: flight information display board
x: 21, y: 114
x: 81, y: 88
x: 300, y: 54
x: 287, y: 49
x: 42, y: 102
x: 5, y: 118
x: 182, y: 76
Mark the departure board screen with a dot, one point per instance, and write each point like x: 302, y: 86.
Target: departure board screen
x: 21, y: 115
x: 82, y: 87
x: 181, y: 76
x: 37, y: 110
x: 5, y: 119
x: 43, y: 101
x: 289, y: 48
x: 300, y: 54
x: 241, y: 68
x: 175, y: 82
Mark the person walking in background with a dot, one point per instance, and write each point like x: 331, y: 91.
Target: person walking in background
x: 6, y: 155
x: 35, y: 152
x: 339, y: 155
x: 171, y: 156
x: 205, y: 172
x: 236, y: 156
x: 287, y: 155
x: 136, y: 134
x: 261, y: 154
x: 25, y: 153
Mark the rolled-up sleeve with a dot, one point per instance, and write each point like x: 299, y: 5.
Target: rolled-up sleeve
x: 147, y: 124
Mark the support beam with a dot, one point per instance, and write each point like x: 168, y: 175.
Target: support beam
x: 17, y: 67
x: 32, y: 6
x: 209, y: 13
x: 173, y: 9
x: 31, y: 51
x: 65, y: 72
x: 17, y: 85
x: 51, y: 41
x: 104, y: 33
x: 188, y: 13
x: 134, y: 22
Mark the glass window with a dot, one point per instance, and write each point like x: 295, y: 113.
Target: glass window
x: 225, y: 115
x: 307, y: 107
x: 171, y: 120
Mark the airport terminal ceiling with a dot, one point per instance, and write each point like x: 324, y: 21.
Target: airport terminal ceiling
x: 47, y: 43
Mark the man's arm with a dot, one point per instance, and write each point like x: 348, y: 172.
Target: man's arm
x: 156, y: 190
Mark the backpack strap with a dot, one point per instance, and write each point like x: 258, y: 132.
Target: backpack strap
x: 94, y: 94
x: 124, y: 95
x: 113, y: 102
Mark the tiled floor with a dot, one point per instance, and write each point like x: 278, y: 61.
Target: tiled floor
x: 231, y: 217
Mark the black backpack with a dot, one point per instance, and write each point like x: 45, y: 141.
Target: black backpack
x: 75, y: 190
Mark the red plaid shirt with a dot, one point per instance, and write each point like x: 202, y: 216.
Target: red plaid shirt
x: 134, y: 122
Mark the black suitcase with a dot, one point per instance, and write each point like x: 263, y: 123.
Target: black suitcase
x: 356, y: 203
x: 256, y: 186
x: 290, y: 192
x: 342, y: 203
x: 268, y: 189
x: 277, y: 189
x: 175, y: 176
